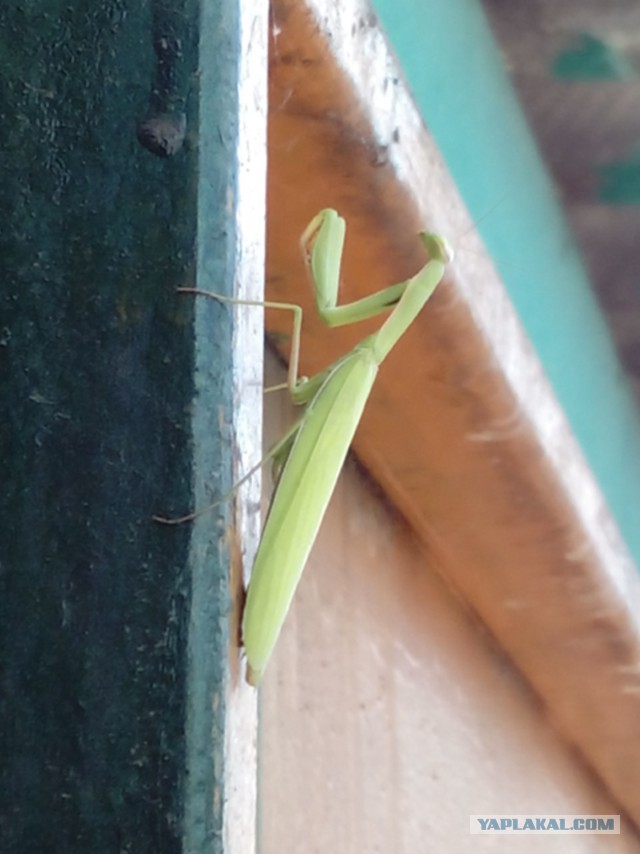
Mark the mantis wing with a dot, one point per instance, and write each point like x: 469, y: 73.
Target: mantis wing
x: 302, y: 495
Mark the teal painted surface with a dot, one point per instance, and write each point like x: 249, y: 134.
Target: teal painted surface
x: 113, y: 630
x: 205, y: 797
x: 454, y: 69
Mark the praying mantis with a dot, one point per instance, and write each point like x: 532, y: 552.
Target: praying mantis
x: 309, y: 458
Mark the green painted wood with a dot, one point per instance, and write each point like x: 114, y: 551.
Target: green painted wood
x: 114, y: 629
x: 619, y: 181
x: 455, y: 71
x: 592, y: 58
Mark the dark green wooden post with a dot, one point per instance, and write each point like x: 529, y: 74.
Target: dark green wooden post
x: 116, y: 186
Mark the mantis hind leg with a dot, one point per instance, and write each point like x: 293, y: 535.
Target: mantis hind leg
x: 278, y: 454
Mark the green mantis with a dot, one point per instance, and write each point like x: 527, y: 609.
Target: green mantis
x: 309, y: 458
x: 311, y: 455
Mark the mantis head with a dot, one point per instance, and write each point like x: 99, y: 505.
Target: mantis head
x: 437, y: 246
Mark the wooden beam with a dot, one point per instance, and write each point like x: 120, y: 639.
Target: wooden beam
x: 125, y: 723
x: 463, y: 431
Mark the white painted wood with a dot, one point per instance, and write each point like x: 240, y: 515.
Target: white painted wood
x: 241, y: 732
